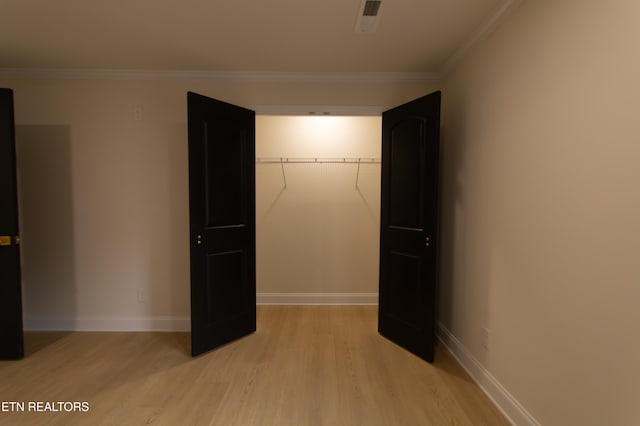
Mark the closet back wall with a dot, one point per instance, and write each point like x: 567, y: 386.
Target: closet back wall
x: 318, y: 236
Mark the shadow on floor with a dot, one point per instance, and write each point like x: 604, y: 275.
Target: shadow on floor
x: 35, y: 341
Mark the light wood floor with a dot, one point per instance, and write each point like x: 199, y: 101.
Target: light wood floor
x: 304, y: 366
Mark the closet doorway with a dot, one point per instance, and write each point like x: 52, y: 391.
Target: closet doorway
x: 316, y: 213
x: 317, y: 209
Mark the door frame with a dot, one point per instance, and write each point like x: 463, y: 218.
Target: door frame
x: 321, y: 110
x: 310, y: 110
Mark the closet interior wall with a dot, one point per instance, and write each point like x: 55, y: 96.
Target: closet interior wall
x: 317, y: 224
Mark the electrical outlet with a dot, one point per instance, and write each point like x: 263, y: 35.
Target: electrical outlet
x: 485, y: 338
x: 142, y: 297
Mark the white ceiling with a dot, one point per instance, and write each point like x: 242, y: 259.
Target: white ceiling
x: 300, y: 36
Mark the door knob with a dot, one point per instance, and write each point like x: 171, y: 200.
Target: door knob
x: 199, y: 240
x: 427, y: 241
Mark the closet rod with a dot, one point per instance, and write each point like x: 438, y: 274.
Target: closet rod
x: 319, y: 160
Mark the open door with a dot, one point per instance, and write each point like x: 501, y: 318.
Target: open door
x: 11, y: 334
x: 222, y: 222
x: 408, y: 225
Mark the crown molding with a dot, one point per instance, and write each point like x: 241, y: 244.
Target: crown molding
x: 224, y: 76
x: 486, y: 29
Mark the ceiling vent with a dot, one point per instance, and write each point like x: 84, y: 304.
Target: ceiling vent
x: 367, y: 21
x: 371, y: 7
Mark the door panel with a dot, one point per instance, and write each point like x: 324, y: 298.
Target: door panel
x: 11, y: 333
x: 405, y: 208
x: 408, y: 228
x: 225, y: 175
x: 224, y: 275
x: 222, y: 222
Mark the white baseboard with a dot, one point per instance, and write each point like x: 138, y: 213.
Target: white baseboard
x: 317, y: 298
x: 108, y: 324
x: 184, y: 324
x: 510, y: 407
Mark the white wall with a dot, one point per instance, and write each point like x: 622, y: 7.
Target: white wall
x: 105, y: 204
x: 541, y: 209
x: 319, y: 234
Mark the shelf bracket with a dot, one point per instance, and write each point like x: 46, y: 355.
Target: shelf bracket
x: 284, y: 176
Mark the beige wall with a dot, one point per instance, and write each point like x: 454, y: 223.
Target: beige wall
x: 105, y: 197
x: 104, y: 214
x: 541, y: 209
x: 540, y: 203
x: 319, y: 234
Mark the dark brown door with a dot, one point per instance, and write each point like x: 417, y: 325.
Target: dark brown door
x: 222, y: 222
x: 409, y: 222
x: 11, y: 335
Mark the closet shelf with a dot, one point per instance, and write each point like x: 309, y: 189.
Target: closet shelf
x: 317, y: 160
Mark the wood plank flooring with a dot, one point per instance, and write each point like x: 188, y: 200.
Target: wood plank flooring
x: 304, y: 366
